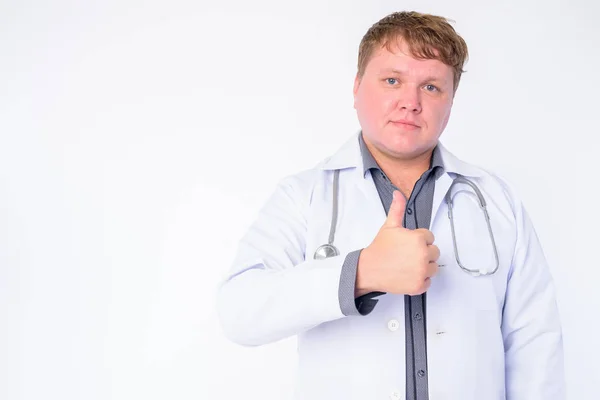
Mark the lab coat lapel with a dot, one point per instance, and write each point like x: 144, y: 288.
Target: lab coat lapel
x: 441, y: 188
x: 452, y: 294
x: 361, y: 202
x: 370, y: 206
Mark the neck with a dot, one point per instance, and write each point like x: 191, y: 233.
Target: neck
x: 403, y: 173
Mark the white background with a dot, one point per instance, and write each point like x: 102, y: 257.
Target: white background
x: 139, y: 138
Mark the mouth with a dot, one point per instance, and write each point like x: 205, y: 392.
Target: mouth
x: 405, y: 124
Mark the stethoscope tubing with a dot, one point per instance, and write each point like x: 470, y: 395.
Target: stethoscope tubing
x: 330, y: 250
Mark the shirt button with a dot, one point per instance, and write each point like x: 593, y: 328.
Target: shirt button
x: 393, y: 325
x: 395, y: 395
x: 421, y: 373
x: 418, y: 316
x: 409, y: 211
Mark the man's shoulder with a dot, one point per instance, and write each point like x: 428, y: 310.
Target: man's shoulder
x: 454, y: 163
x: 490, y: 179
x: 307, y: 177
x: 497, y: 185
x: 303, y: 180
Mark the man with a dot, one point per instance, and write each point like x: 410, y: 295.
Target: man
x: 398, y: 309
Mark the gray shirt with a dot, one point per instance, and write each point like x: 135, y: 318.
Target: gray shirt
x: 417, y: 215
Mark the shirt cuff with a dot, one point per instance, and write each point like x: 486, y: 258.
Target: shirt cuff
x: 349, y: 305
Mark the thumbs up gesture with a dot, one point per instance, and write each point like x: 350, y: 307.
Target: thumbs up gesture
x: 399, y: 260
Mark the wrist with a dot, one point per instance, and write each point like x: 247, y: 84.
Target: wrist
x: 363, y: 274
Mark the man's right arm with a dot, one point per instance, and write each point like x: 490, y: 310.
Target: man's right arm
x: 272, y: 292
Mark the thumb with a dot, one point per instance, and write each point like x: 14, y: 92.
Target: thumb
x: 396, y: 213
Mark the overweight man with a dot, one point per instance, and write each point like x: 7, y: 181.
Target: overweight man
x: 402, y: 302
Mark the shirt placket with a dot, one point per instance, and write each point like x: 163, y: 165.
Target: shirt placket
x: 415, y: 317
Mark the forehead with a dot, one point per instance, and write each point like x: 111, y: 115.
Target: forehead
x: 398, y: 57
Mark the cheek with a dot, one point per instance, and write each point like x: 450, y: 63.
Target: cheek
x: 373, y: 104
x: 446, y: 119
x: 439, y: 116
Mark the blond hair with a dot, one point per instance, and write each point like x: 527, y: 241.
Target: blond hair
x: 427, y: 36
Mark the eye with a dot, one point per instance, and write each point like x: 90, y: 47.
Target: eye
x: 391, y: 81
x: 431, y: 88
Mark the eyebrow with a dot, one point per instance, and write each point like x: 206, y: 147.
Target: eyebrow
x: 430, y: 78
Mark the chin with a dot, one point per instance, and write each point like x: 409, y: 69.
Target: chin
x: 406, y: 148
x: 402, y: 143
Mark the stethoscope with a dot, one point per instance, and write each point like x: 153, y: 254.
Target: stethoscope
x: 330, y: 250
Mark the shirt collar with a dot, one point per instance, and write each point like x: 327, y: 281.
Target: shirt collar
x: 370, y: 163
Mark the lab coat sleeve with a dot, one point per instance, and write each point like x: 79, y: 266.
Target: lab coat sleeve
x: 351, y: 305
x: 531, y: 327
x: 271, y: 292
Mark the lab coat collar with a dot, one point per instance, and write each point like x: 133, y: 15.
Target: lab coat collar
x: 349, y: 156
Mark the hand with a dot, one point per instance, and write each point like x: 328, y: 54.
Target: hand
x: 399, y: 260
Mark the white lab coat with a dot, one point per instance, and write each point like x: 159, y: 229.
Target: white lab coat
x: 488, y: 338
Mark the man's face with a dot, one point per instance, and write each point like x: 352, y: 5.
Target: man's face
x: 403, y: 104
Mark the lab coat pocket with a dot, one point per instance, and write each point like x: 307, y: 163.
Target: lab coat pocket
x: 465, y: 353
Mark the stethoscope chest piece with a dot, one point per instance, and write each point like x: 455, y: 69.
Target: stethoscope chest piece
x: 328, y: 249
x: 325, y: 251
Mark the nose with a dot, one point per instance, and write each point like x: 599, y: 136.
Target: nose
x: 409, y: 99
